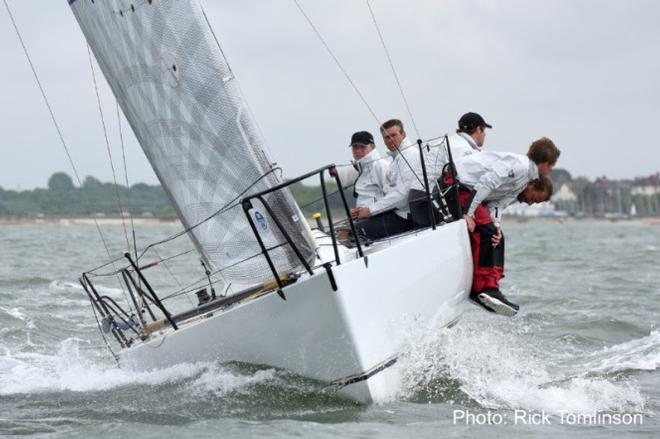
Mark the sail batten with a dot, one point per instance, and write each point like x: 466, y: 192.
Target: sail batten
x: 175, y: 87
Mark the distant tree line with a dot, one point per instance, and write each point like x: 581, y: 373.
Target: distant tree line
x: 63, y: 198
x: 94, y: 198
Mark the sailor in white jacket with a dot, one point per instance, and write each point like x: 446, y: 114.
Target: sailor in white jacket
x: 389, y: 214
x: 469, y: 139
x: 490, y: 181
x: 496, y: 179
x: 367, y: 173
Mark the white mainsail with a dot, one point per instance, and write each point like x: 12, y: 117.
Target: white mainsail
x: 179, y: 95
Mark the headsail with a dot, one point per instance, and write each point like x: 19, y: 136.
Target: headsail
x: 179, y: 95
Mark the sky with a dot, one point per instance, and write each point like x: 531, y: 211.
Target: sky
x: 582, y: 72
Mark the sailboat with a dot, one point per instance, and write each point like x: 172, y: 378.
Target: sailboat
x: 301, y: 300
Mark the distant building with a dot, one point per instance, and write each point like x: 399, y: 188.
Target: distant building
x: 540, y: 210
x: 564, y: 194
x: 647, y: 186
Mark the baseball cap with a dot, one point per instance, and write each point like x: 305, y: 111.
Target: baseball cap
x: 470, y: 121
x: 362, y: 137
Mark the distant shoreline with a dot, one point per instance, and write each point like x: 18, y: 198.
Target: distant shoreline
x: 84, y: 220
x: 584, y: 220
x: 79, y: 220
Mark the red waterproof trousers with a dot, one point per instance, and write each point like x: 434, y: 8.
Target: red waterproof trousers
x: 488, y: 260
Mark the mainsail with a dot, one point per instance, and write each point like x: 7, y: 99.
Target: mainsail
x: 180, y: 97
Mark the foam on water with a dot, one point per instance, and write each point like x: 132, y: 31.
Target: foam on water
x: 499, y: 366
x: 67, y: 286
x: 638, y: 354
x: 73, y: 369
x: 17, y: 314
x: 221, y: 381
x: 62, y: 285
x: 69, y: 369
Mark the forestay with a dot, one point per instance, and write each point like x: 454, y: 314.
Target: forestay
x: 180, y: 97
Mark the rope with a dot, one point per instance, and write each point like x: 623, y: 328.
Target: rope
x: 107, y: 145
x: 396, y: 77
x: 327, y: 48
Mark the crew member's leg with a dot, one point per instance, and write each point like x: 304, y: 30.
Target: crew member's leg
x: 382, y: 225
x: 488, y: 262
x: 421, y: 211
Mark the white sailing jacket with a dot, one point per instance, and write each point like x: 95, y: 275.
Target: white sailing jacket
x: 399, y: 179
x: 496, y: 177
x: 461, y: 145
x: 368, y: 176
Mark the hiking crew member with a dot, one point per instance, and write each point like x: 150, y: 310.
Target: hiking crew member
x: 490, y: 182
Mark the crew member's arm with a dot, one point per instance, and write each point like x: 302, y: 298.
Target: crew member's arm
x: 488, y: 182
x: 347, y: 175
x: 497, y: 207
x: 396, y: 193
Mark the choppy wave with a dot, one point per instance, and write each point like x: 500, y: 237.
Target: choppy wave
x: 17, y: 314
x: 73, y: 369
x: 566, y: 352
x: 69, y: 369
x: 220, y: 381
x: 499, y: 367
x: 638, y: 354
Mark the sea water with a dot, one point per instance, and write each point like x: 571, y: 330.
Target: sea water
x: 580, y: 360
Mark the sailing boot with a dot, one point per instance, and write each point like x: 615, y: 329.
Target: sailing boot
x: 494, y: 301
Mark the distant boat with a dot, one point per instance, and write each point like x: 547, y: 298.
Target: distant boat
x: 346, y: 309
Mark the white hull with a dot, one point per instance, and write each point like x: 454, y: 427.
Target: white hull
x: 350, y: 337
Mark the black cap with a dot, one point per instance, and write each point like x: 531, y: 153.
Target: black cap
x: 362, y: 137
x: 471, y: 121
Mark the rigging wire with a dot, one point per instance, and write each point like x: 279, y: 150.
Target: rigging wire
x: 93, y: 272
x: 191, y: 286
x: 396, y: 76
x: 229, y: 205
x: 223, y: 209
x: 112, y: 165
x: 336, y: 60
x: 57, y: 127
x: 105, y: 339
x: 107, y: 145
x: 398, y: 83
x: 355, y: 88
x: 128, y: 192
x: 128, y: 187
x: 167, y: 268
